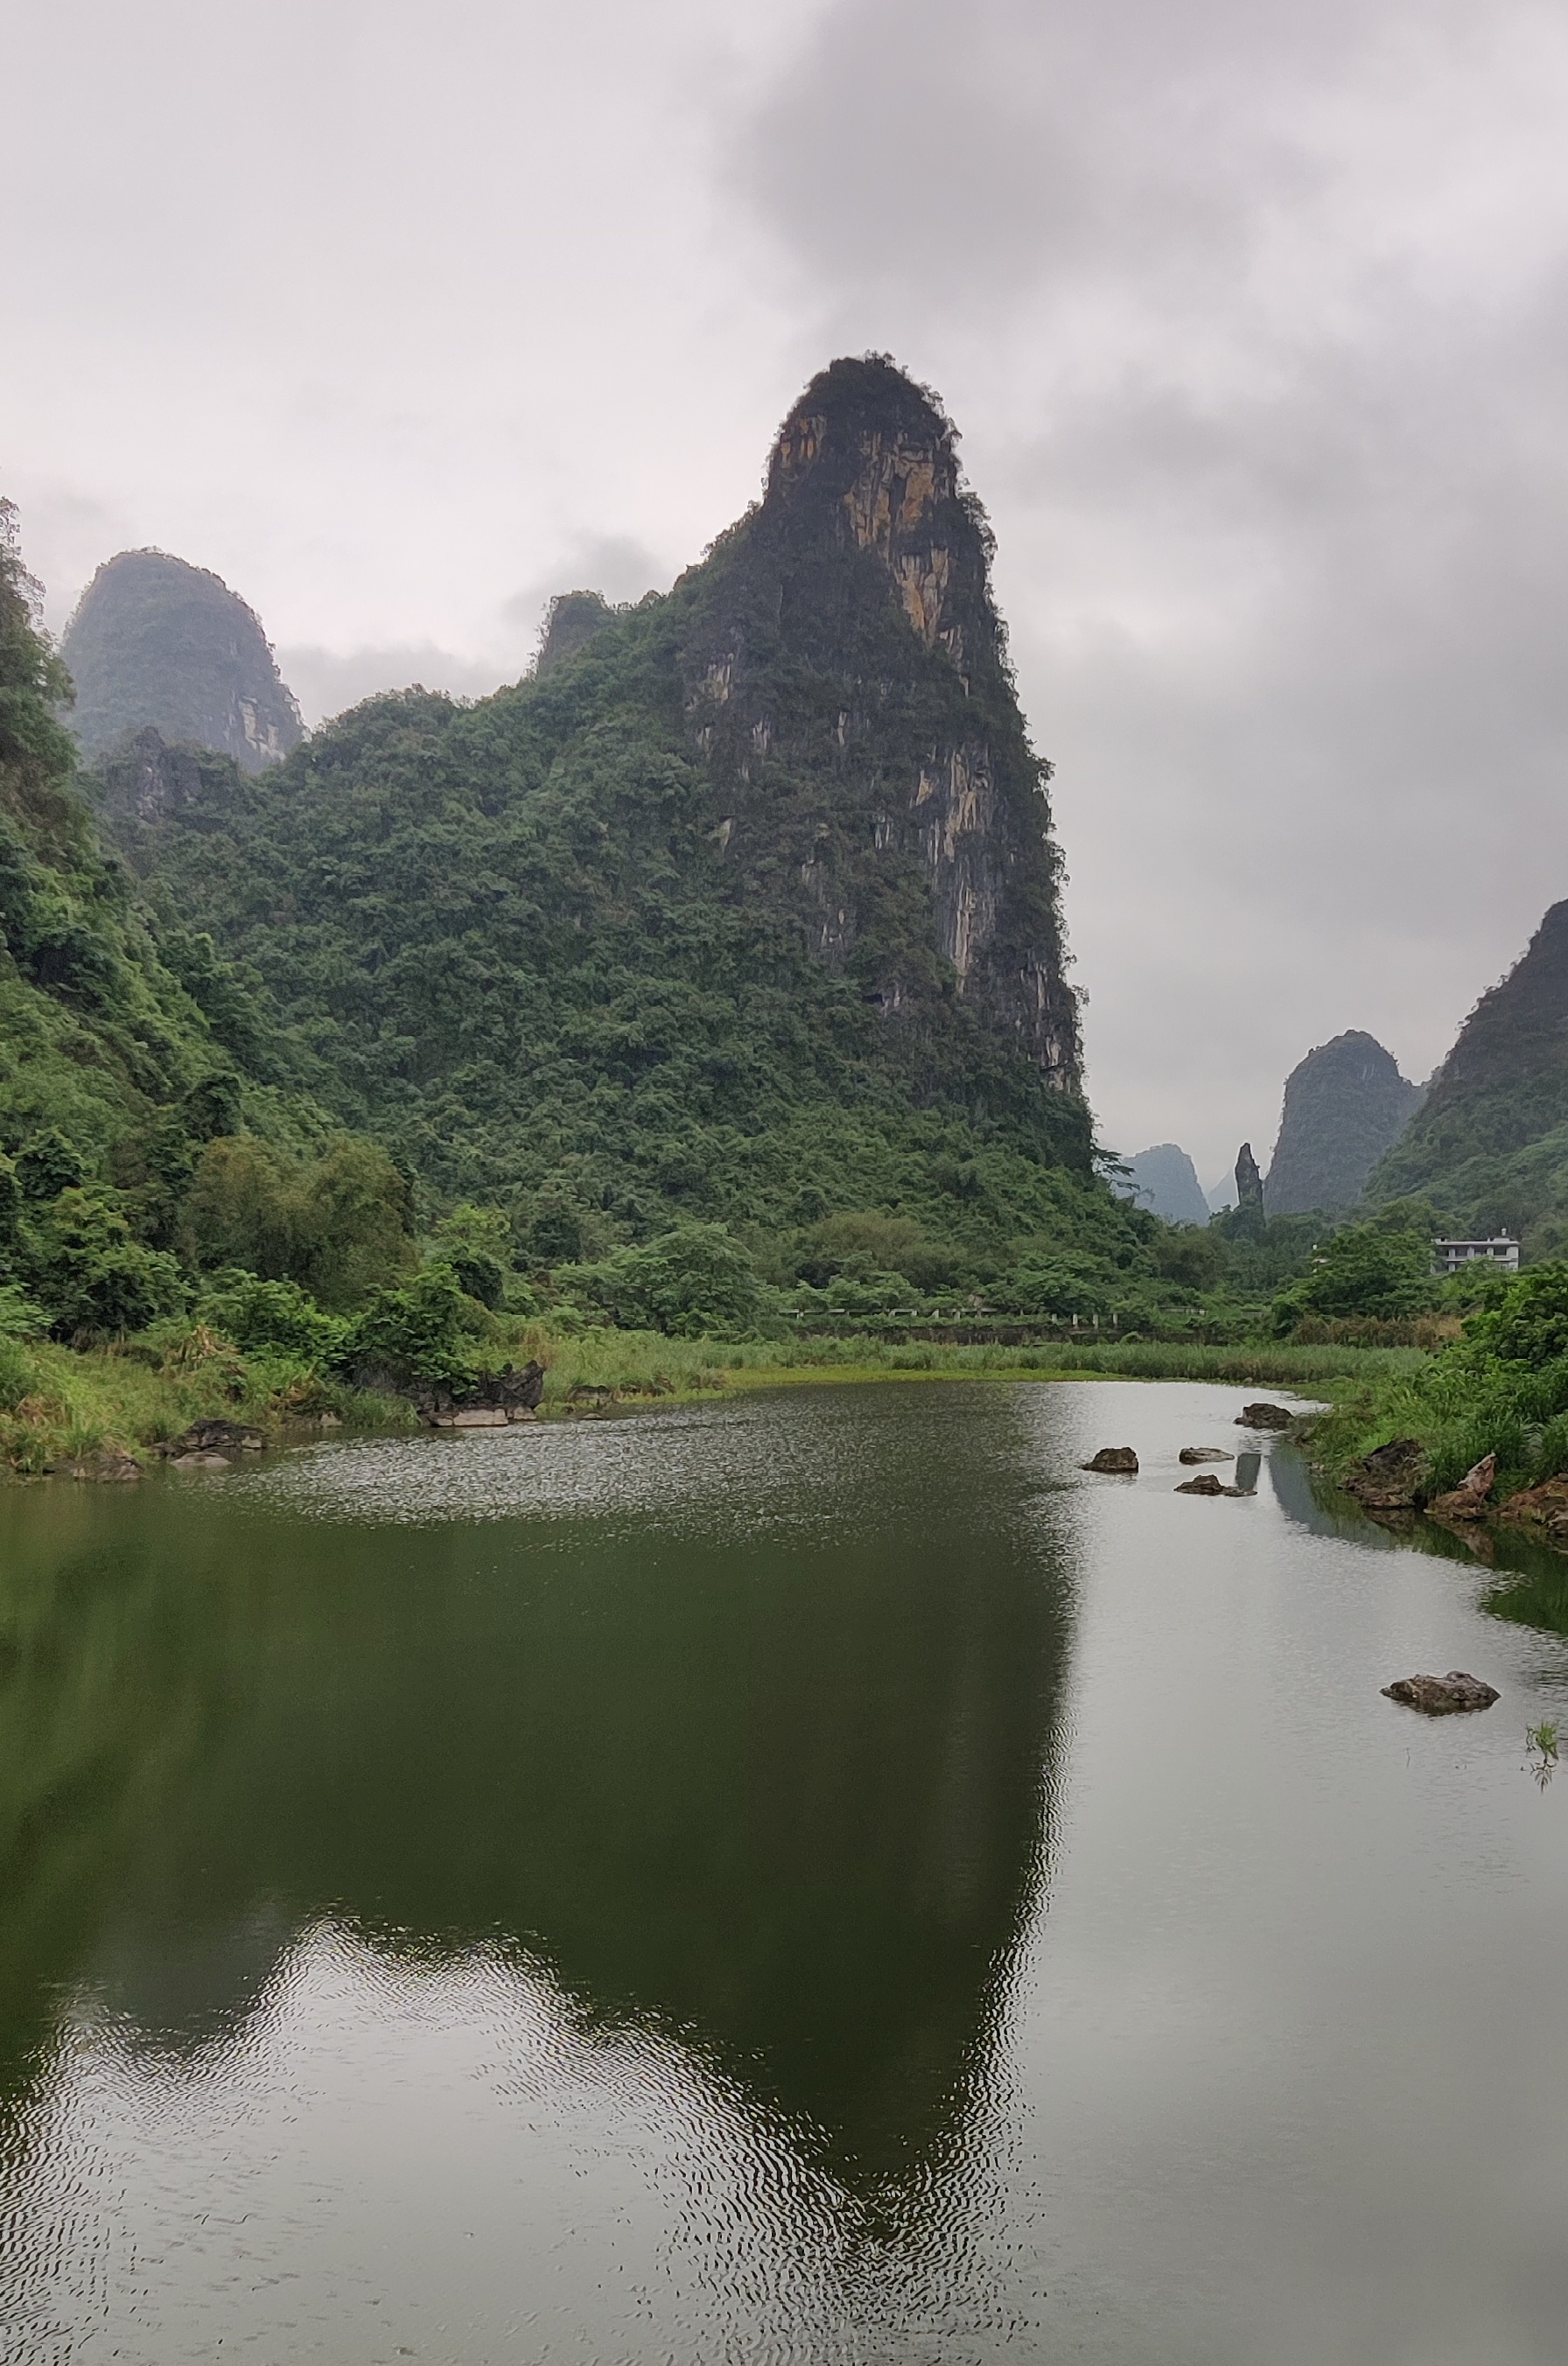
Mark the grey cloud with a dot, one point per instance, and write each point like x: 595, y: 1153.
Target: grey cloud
x: 1254, y: 321
x: 328, y: 682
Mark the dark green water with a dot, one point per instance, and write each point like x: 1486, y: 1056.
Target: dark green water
x: 815, y: 1880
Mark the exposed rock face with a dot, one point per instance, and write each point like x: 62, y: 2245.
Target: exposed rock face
x: 1392, y: 1478
x: 1345, y: 1105
x: 1544, y: 1507
x: 1165, y: 1181
x: 1115, y: 1458
x: 154, y: 641
x: 1450, y: 1696
x: 574, y: 619
x: 147, y: 780
x: 494, y: 1400
x: 1468, y: 1500
x: 1248, y: 1181
x: 848, y: 680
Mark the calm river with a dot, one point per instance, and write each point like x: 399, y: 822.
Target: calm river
x: 811, y: 1880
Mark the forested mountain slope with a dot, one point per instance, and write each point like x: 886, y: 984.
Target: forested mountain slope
x: 139, y: 1075
x: 157, y: 642
x: 747, y: 908
x: 1345, y: 1104
x: 1489, y: 1146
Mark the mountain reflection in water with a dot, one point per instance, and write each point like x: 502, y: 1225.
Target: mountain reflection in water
x: 747, y: 1753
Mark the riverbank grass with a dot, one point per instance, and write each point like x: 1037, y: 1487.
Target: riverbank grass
x: 62, y: 1405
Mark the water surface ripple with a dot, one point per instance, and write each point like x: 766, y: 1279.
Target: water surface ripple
x: 813, y: 1879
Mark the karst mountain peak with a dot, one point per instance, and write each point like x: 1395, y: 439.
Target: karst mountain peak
x: 846, y: 628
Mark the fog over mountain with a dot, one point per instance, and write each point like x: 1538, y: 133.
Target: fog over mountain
x: 1254, y: 319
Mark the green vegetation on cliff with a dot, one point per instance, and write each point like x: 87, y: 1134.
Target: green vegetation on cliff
x: 1489, y: 1145
x: 743, y: 912
x: 146, y: 1130
x: 1345, y: 1104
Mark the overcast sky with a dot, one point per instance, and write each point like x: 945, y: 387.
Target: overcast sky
x: 1254, y: 317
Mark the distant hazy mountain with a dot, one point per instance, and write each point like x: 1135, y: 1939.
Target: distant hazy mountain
x: 1489, y: 1145
x: 1345, y: 1105
x: 157, y: 643
x: 1220, y: 1194
x: 1165, y: 1180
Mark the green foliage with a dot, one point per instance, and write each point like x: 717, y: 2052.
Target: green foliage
x: 1528, y: 1323
x: 693, y: 1279
x: 1502, y: 1389
x: 477, y: 1244
x: 417, y: 1334
x: 260, y: 1316
x: 339, y: 1224
x: 1490, y: 1143
x: 93, y: 1276
x: 1383, y: 1270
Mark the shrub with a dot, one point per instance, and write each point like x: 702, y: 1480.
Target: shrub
x: 1531, y: 1324
x: 92, y: 1275
x: 416, y: 1334
x: 1373, y: 1269
x: 258, y: 1315
x: 695, y: 1279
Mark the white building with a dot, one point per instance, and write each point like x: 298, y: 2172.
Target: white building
x: 1450, y: 1257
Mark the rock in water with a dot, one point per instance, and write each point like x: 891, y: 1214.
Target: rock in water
x: 215, y: 1435
x: 1468, y: 1500
x: 1545, y: 1507
x: 105, y: 1462
x: 1114, y: 1457
x: 1204, y: 1454
x: 1207, y: 1484
x: 493, y: 1399
x: 1264, y: 1417
x: 155, y: 642
x: 1448, y: 1696
x: 1345, y: 1105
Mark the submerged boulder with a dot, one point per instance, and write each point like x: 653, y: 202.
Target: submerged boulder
x: 1450, y: 1695
x: 112, y: 1463
x: 213, y: 1435
x: 1114, y: 1457
x: 1204, y: 1454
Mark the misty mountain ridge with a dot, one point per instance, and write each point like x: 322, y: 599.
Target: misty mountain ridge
x: 157, y: 644
x: 1164, y: 1180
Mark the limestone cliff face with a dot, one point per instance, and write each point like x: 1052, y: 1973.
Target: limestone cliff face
x: 156, y: 643
x: 847, y: 680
